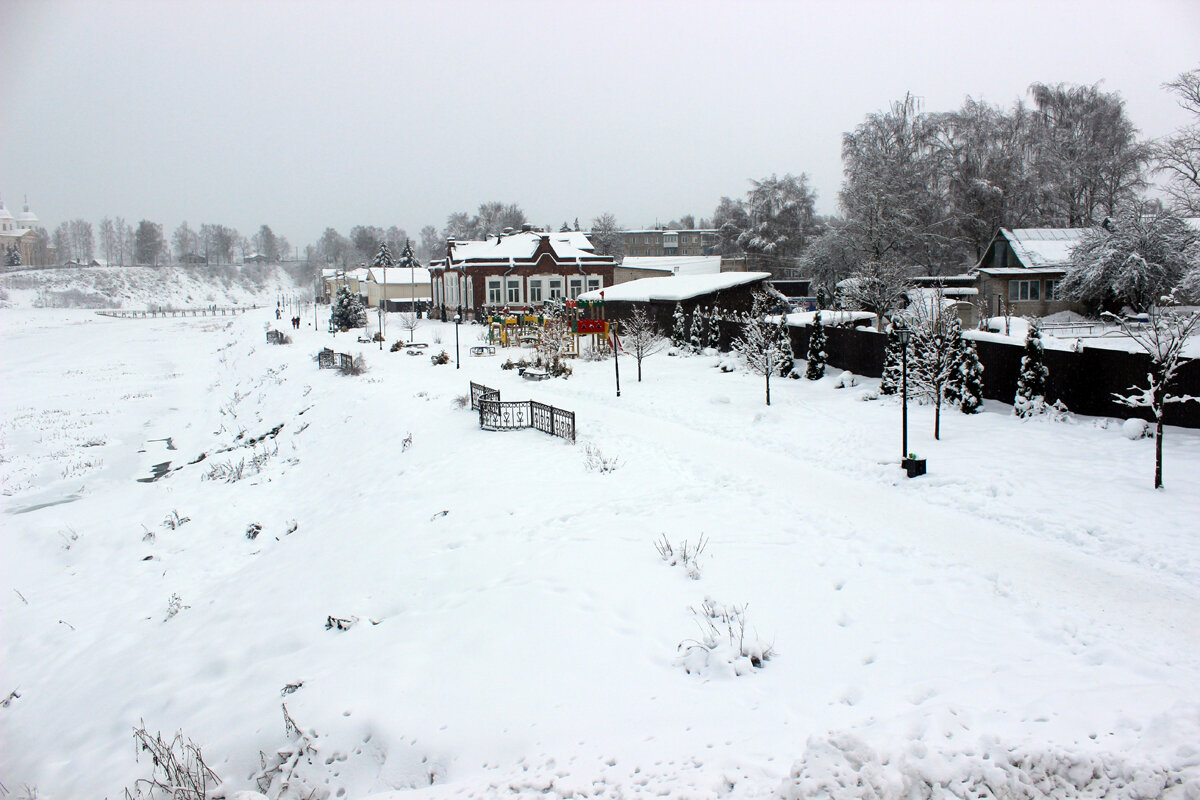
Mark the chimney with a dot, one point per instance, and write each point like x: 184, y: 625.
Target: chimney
x: 526, y: 227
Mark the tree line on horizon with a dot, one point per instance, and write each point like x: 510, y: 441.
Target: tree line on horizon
x: 922, y: 190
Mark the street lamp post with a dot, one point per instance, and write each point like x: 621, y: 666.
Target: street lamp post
x: 904, y: 333
x: 457, y: 360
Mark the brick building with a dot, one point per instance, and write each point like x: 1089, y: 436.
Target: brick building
x: 523, y: 269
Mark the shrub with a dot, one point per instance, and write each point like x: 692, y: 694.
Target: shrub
x: 595, y: 461
x: 441, y: 358
x: 684, y: 555
x: 179, y: 771
x: 397, y: 346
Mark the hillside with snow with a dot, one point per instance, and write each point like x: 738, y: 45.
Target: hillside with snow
x: 139, y: 288
x: 341, y: 587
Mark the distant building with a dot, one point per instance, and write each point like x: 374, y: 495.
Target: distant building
x: 661, y: 242
x: 17, y: 231
x: 522, y: 269
x: 406, y: 288
x: 1022, y: 267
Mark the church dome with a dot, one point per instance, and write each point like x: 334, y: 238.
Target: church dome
x: 26, y: 216
x: 4, y: 212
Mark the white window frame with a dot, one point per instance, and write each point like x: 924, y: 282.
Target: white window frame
x: 1023, y: 290
x: 512, y: 291
x: 574, y: 287
x: 555, y: 291
x: 1052, y: 287
x: 494, y: 291
x: 535, y: 291
x: 594, y: 282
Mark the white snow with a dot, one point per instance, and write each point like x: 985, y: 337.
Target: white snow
x: 673, y: 288
x: 1023, y: 621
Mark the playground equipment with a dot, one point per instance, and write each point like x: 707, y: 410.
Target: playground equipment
x: 582, y: 318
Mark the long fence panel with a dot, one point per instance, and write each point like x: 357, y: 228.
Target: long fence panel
x: 496, y: 415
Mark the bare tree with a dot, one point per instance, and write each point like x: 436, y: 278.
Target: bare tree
x: 1179, y: 155
x: 935, y: 345
x: 108, y: 240
x: 410, y: 321
x: 606, y: 237
x: 1163, y: 339
x: 760, y: 344
x: 876, y: 286
x: 641, y: 336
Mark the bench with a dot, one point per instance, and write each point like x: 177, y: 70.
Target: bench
x: 483, y: 350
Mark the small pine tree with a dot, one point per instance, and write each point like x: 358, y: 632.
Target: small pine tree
x: 1031, y: 384
x: 679, y: 332
x: 970, y: 380
x: 712, y: 330
x: 816, y: 351
x: 892, y: 366
x: 822, y: 298
x: 696, y: 341
x: 348, y: 311
x: 957, y: 346
x: 787, y: 360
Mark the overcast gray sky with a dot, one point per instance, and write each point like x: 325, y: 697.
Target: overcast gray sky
x: 303, y: 115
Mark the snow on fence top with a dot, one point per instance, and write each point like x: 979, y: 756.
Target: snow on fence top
x: 674, y: 288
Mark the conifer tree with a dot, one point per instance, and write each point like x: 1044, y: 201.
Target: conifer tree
x: 816, y: 350
x: 679, y: 332
x: 787, y: 364
x: 712, y: 330
x: 13, y: 257
x: 970, y: 380
x: 890, y: 382
x: 348, y: 311
x: 822, y: 298
x: 1031, y: 384
x: 696, y: 341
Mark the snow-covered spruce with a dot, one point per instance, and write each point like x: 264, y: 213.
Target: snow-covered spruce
x: 815, y: 369
x: 1031, y: 383
x: 697, y: 335
x: 679, y: 327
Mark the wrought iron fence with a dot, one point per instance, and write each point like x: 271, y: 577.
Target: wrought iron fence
x: 481, y: 392
x: 554, y: 421
x: 497, y: 415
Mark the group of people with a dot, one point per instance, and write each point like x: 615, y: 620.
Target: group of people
x: 295, y: 320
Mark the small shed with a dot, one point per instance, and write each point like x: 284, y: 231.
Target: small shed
x: 730, y: 291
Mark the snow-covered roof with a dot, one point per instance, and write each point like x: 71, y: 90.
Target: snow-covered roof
x: 828, y: 317
x: 522, y: 245
x: 679, y: 265
x: 675, y: 287
x: 397, y: 276
x: 4, y: 212
x: 26, y: 216
x: 1043, y: 247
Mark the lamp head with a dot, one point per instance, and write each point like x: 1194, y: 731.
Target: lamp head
x: 457, y: 318
x: 904, y: 334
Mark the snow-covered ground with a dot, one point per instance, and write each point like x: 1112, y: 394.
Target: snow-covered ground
x: 1023, y: 621
x: 140, y: 288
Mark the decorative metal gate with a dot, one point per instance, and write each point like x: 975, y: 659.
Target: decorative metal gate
x: 325, y: 359
x: 496, y: 415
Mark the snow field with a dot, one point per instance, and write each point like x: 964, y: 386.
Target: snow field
x: 513, y: 631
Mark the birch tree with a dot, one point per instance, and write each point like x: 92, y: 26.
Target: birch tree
x: 760, y: 343
x: 640, y: 336
x: 1163, y: 340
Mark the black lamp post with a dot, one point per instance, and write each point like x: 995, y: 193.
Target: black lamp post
x: 904, y: 334
x: 457, y: 360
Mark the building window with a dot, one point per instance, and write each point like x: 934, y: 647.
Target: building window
x: 1024, y: 290
x: 493, y: 287
x: 535, y: 290
x: 555, y: 288
x: 1051, y: 289
x: 593, y: 284
x: 514, y: 290
x: 576, y: 286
